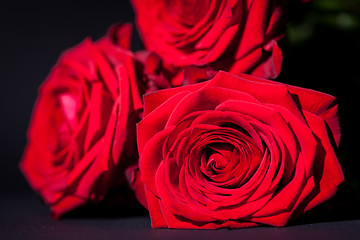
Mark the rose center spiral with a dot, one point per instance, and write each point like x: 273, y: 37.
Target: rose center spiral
x: 218, y: 156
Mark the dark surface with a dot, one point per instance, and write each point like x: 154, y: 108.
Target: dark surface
x: 24, y: 217
x: 32, y: 36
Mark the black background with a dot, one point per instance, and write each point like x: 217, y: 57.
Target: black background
x: 34, y: 33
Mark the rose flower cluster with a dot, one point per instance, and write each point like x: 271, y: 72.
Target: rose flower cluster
x: 192, y: 125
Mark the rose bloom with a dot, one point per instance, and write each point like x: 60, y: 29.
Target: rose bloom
x: 236, y: 152
x: 82, y: 132
x: 239, y: 36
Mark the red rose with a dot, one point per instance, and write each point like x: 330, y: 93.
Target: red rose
x: 238, y: 36
x: 82, y: 131
x: 236, y: 152
x: 155, y: 77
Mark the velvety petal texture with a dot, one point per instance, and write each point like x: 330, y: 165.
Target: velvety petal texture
x: 239, y: 36
x: 236, y: 151
x: 82, y: 133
